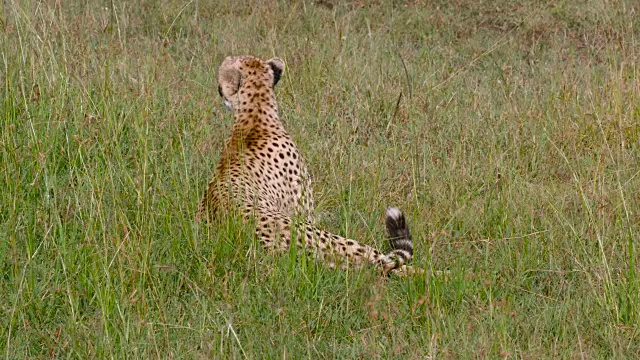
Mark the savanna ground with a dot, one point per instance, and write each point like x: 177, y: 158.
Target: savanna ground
x: 507, y: 131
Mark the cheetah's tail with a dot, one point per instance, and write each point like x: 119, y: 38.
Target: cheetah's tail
x: 399, y: 235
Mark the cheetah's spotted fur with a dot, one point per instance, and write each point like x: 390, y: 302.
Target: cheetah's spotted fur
x: 261, y: 174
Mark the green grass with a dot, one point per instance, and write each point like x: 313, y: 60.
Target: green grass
x: 509, y: 133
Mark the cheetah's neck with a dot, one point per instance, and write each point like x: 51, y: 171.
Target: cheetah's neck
x: 257, y: 109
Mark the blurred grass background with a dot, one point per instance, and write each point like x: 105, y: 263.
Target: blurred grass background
x: 508, y: 131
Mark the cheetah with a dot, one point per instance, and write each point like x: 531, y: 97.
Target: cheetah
x: 263, y: 177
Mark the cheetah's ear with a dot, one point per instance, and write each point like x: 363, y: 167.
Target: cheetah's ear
x: 229, y: 76
x: 277, y: 65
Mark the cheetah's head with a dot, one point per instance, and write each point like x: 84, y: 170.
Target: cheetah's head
x: 236, y: 70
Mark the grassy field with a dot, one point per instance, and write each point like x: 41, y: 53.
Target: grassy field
x: 509, y: 133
